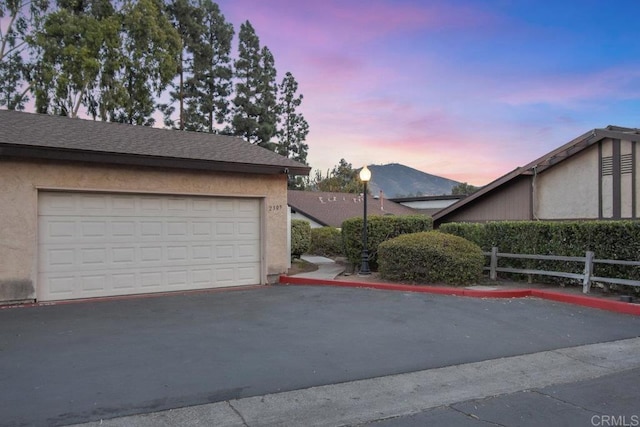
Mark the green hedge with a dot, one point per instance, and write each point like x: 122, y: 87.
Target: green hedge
x: 430, y: 257
x: 618, y: 240
x: 300, y: 237
x: 326, y: 241
x: 379, y: 229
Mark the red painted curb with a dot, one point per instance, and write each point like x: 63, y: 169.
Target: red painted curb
x: 582, y: 300
x: 587, y: 301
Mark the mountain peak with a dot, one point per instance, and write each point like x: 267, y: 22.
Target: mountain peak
x: 397, y: 180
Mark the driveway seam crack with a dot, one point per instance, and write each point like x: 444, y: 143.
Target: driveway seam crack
x: 234, y: 409
x: 566, y: 402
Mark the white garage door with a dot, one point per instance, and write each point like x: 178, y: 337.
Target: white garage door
x: 93, y: 244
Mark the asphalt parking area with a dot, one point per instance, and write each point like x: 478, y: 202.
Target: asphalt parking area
x: 71, y: 363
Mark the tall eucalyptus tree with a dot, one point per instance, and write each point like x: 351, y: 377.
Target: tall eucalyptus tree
x: 75, y: 41
x: 148, y: 61
x: 18, y: 20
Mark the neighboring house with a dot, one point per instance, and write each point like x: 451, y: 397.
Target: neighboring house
x: 92, y: 209
x: 595, y: 176
x: 331, y: 209
x: 428, y: 205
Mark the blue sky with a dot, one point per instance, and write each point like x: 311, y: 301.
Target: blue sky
x: 468, y: 90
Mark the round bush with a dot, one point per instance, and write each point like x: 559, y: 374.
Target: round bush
x: 326, y: 241
x: 430, y: 257
x: 300, y: 237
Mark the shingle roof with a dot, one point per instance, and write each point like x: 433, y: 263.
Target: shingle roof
x: 333, y: 208
x: 40, y: 135
x: 548, y: 160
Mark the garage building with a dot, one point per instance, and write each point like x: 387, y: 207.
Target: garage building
x: 93, y: 209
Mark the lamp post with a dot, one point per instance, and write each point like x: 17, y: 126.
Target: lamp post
x: 365, y: 176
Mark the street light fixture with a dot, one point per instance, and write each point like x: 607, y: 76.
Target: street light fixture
x: 365, y: 177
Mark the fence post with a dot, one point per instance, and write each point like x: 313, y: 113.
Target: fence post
x: 588, y: 271
x: 493, y: 274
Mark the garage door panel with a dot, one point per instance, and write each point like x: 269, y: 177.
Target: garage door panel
x: 248, y: 252
x: 248, y: 229
x: 246, y: 274
x: 114, y: 244
x: 60, y: 230
x: 123, y: 257
x: 124, y: 281
x: 61, y: 287
x: 224, y: 253
x: 202, y: 253
x: 94, y: 283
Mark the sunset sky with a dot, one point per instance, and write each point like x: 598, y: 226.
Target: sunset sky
x: 468, y: 90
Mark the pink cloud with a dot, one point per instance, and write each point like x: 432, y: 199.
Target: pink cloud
x: 617, y: 83
x: 335, y: 21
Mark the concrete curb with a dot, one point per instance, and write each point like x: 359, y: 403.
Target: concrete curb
x: 582, y: 300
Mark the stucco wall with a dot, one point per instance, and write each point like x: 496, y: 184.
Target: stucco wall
x: 569, y: 190
x: 21, y: 180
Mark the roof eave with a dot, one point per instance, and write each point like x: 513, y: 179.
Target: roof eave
x: 311, y: 217
x: 47, y: 153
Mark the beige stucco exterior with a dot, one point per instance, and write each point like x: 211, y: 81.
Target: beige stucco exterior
x: 569, y: 191
x: 21, y: 180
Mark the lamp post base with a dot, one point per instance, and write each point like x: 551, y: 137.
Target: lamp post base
x: 364, y: 267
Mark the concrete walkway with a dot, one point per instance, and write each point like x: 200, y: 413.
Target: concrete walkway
x: 328, y: 269
x: 569, y: 386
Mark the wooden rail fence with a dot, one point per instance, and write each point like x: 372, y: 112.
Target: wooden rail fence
x: 586, y: 277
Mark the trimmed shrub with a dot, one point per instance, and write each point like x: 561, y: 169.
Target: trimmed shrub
x: 326, y: 241
x: 618, y: 240
x: 430, y: 257
x: 379, y: 229
x: 300, y: 237
x: 473, y: 232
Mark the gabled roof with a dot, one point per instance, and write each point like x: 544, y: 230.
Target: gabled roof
x: 548, y: 160
x: 332, y: 209
x: 62, y: 138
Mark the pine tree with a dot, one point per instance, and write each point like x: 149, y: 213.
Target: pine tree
x: 255, y: 104
x: 210, y: 84
x: 293, y: 128
x: 267, y: 100
x: 186, y: 19
x: 247, y: 73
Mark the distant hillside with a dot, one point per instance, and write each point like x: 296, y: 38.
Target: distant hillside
x: 397, y: 180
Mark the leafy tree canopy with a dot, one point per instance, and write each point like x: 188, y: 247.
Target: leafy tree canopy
x: 464, y: 189
x: 342, y: 178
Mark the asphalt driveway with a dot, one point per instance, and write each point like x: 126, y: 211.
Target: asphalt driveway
x: 71, y: 363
